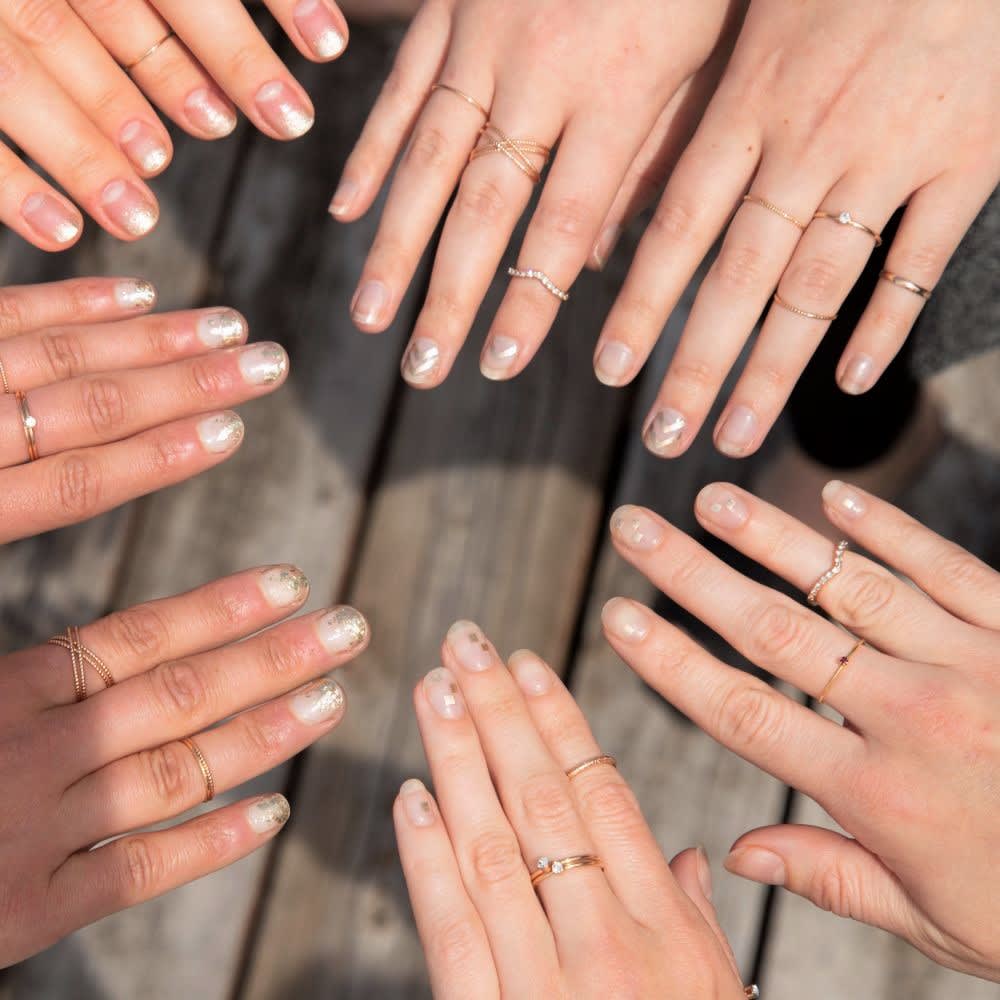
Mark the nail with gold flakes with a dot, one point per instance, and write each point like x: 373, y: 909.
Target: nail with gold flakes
x: 443, y: 693
x: 471, y: 648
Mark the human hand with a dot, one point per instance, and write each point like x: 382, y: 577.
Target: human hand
x: 499, y: 743
x: 76, y: 773
x: 848, y: 107
x: 913, y: 776
x: 600, y: 78
x: 120, y: 409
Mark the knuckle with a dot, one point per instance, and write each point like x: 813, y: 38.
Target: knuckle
x: 835, y: 892
x: 39, y: 21
x: 142, y: 868
x: 546, y: 803
x: 776, y: 634
x: 263, y: 741
x: 139, y: 632
x: 214, y: 842
x: 494, y: 859
x: 895, y: 322
x: 612, y: 804
x: 167, y: 452
x: 817, y: 279
x: 749, y: 716
x: 85, y: 163
x: 179, y: 689
x: 674, y: 220
x: 160, y: 337
x: 13, y: 310
x: 209, y: 378
x: 866, y: 599
x: 568, y: 218
x: 64, y: 354
x: 430, y: 149
x: 12, y: 65
x: 78, y: 486
x: 445, y: 309
x: 700, y: 375
x: 280, y: 657
x: 244, y: 61
x: 928, y: 260
x: 739, y: 269
x: 103, y: 402
x: 167, y: 774
x: 688, y: 572
x: 482, y: 202
x: 455, y: 943
x: 961, y: 572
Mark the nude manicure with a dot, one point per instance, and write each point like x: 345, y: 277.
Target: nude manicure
x: 129, y: 207
x: 51, y: 218
x: 614, y: 362
x: 319, y: 27
x: 848, y: 500
x: 625, y: 620
x: 499, y: 357
x: 144, y: 146
x: 416, y: 803
x: 637, y: 528
x: 859, y: 375
x: 342, y: 630
x: 344, y: 197
x: 284, y: 110
x: 209, y: 112
x: 222, y: 329
x: 284, y: 586
x: 471, y: 648
x: 737, y: 432
x: 319, y: 702
x: 532, y: 675
x: 263, y: 364
x: 722, y: 507
x: 222, y: 432
x: 269, y: 813
x: 664, y: 431
x: 444, y: 694
x: 370, y: 303
x: 134, y: 293
x: 421, y: 362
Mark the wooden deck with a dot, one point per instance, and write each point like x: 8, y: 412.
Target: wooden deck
x: 475, y: 500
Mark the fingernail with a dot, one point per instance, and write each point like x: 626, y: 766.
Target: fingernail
x: 144, y: 146
x: 284, y: 586
x: 342, y: 629
x: 344, y: 196
x: 845, y: 498
x: 737, y: 432
x: 471, y: 648
x: 614, y: 362
x: 210, y: 112
x: 135, y: 294
x: 222, y: 329
x: 859, y: 375
x: 606, y: 244
x: 499, y: 357
x: 421, y: 361
x: 284, y: 110
x: 443, y: 693
x: 625, y: 620
x: 722, y: 507
x: 319, y: 28
x: 370, y: 303
x: 757, y: 864
x: 664, y: 431
x: 531, y: 673
x: 704, y: 869
x: 416, y: 803
x: 318, y: 702
x: 51, y: 218
x: 263, y: 364
x: 637, y: 528
x: 223, y: 432
x: 268, y: 814
x: 129, y: 207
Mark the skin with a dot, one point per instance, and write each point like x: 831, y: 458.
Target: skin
x: 498, y: 750
x: 913, y: 776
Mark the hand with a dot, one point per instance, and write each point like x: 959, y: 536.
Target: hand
x: 836, y: 107
x: 76, y: 773
x: 120, y: 409
x: 499, y: 744
x: 599, y: 78
x: 913, y: 778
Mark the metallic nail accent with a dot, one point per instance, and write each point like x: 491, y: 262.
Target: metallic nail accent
x: 129, y: 207
x: 135, y: 294
x: 282, y: 108
x: 222, y: 432
x: 51, y: 218
x: 625, y: 620
x: 838, y: 494
x: 471, y: 647
x: 444, y: 694
x: 284, y: 586
x: 315, y: 21
x: 636, y: 528
x: 210, y: 112
x: 143, y: 145
x: 421, y: 361
x: 531, y: 674
x: 721, y: 506
x: 319, y: 702
x: 416, y: 803
x: 342, y: 629
x: 222, y: 329
x: 263, y: 364
x: 268, y: 814
x: 664, y: 431
x: 499, y: 357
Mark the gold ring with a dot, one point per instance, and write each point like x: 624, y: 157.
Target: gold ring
x: 910, y: 286
x: 771, y: 207
x: 846, y: 219
x: 842, y: 665
x: 605, y: 758
x: 29, y: 423
x: 542, y: 278
x: 465, y: 97
x: 206, y: 771
x: 80, y: 654
x: 495, y: 140
x: 128, y: 67
x: 3, y: 379
x: 546, y: 867
x: 826, y: 318
x: 838, y: 564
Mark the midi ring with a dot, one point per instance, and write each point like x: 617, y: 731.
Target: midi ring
x: 542, y: 278
x: 604, y: 758
x: 79, y: 654
x: 838, y: 564
x: 771, y: 207
x: 825, y: 317
x: 29, y: 423
x: 128, y: 67
x: 842, y: 664
x: 910, y: 286
x: 465, y: 97
x: 846, y: 219
x: 206, y: 771
x: 546, y: 867
x: 518, y: 151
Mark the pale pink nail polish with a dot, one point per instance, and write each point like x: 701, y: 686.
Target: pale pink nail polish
x: 144, y: 146
x: 421, y: 361
x: 284, y: 586
x: 737, y: 432
x: 342, y: 630
x: 321, y: 701
x: 263, y: 364
x: 51, y: 218
x: 444, y: 694
x: 281, y: 106
x: 268, y: 814
x: 614, y: 362
x: 859, y: 375
x: 370, y: 302
x: 532, y: 675
x: 222, y: 329
x: 722, y: 507
x: 637, y: 528
x: 210, y: 113
x: 134, y: 293
x: 499, y: 357
x: 845, y: 498
x: 320, y: 28
x: 664, y: 432
x: 416, y: 803
x: 344, y: 197
x: 221, y: 432
x: 625, y: 620
x: 129, y: 207
x: 471, y: 648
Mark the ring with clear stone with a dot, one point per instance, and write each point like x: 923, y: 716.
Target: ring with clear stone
x: 543, y: 279
x: 834, y: 570
x: 751, y: 992
x: 29, y: 423
x: 547, y: 867
x: 846, y: 219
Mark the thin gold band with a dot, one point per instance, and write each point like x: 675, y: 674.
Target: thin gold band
x: 846, y: 219
x: 29, y: 423
x: 544, y: 868
x: 825, y: 317
x: 206, y: 771
x: 842, y: 664
x: 3, y: 379
x: 465, y: 97
x: 771, y: 207
x: 605, y: 758
x: 80, y: 655
x: 495, y: 140
x: 905, y: 283
x: 128, y: 67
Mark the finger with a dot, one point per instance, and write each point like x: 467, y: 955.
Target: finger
x: 61, y: 353
x: 164, y: 782
x: 103, y: 408
x: 962, y: 584
x: 77, y: 486
x: 317, y: 27
x: 34, y: 209
x: 451, y: 932
x: 94, y: 884
x: 761, y: 624
x: 635, y: 864
x: 864, y: 598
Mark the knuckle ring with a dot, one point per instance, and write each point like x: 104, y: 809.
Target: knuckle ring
x: 206, y: 771
x: 825, y: 317
x: 842, y: 664
x: 905, y: 283
x: 604, y: 758
x: 29, y: 423
x: 494, y: 140
x: 753, y: 199
x: 846, y: 219
x: 540, y: 276
x: 547, y: 867
x: 81, y: 655
x: 128, y: 67
x: 838, y: 564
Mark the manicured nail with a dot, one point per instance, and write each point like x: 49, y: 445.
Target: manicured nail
x: 370, y: 303
x: 320, y: 29
x: 134, y: 293
x: 268, y: 814
x: 284, y: 586
x: 859, y: 375
x: 704, y: 869
x: 625, y: 620
x: 284, y: 110
x: 664, y: 431
x: 210, y: 112
x: 220, y: 433
x: 471, y: 648
x: 845, y: 498
x: 318, y: 702
x: 416, y: 803
x: 263, y: 364
x: 443, y: 693
x: 637, y: 528
x: 721, y: 506
x: 222, y: 329
x: 51, y: 218
x: 499, y: 357
x: 606, y: 244
x: 344, y: 197
x: 420, y: 363
x: 757, y: 864
x: 342, y: 629
x: 531, y: 673
x: 614, y: 362
x: 737, y: 432
x: 129, y: 207
x: 144, y: 146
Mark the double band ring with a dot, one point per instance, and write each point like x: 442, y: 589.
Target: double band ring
x: 771, y: 207
x: 825, y: 317
x: 494, y: 140
x: 128, y: 67
x: 465, y: 97
x: 547, y: 867
x: 542, y: 278
x: 905, y: 283
x: 29, y: 423
x: 79, y: 655
x: 206, y: 771
x: 604, y: 758
x: 846, y: 219
x: 838, y: 564
x: 842, y: 664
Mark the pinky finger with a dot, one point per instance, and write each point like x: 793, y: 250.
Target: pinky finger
x: 458, y: 952
x: 34, y: 209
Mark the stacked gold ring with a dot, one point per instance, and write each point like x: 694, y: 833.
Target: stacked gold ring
x: 494, y: 140
x: 206, y: 771
x: 28, y: 422
x: 546, y: 867
x: 81, y: 655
